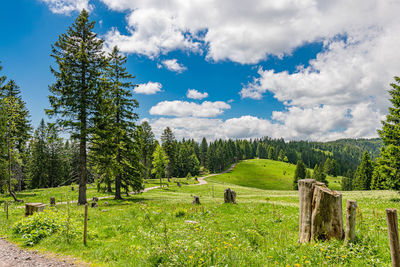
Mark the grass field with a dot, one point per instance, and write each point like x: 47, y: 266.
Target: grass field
x: 156, y: 229
x: 266, y: 174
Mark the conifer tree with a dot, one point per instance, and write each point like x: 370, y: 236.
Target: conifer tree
x: 147, y: 144
x: 299, y: 173
x: 388, y: 164
x: 80, y: 62
x: 17, y: 130
x: 203, y: 151
x: 319, y: 174
x: 170, y: 147
x: 363, y: 176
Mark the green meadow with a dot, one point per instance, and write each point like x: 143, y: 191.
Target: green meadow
x: 162, y: 228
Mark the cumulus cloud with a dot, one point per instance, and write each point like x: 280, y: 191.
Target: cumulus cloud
x: 172, y: 65
x: 194, y: 94
x: 185, y: 109
x: 66, y: 7
x: 242, y: 31
x: 149, y: 88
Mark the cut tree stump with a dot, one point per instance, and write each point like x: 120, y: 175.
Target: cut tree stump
x: 52, y: 201
x: 196, y: 200
x: 351, y: 210
x: 326, y: 217
x: 94, y: 203
x: 229, y: 196
x: 306, y: 192
x: 31, y: 208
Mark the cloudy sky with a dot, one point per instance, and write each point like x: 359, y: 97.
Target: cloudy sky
x: 297, y: 69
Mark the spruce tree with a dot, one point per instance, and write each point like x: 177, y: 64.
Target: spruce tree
x: 299, y: 173
x: 203, y: 151
x: 363, y: 176
x: 169, y: 145
x: 80, y: 62
x: 147, y: 144
x: 388, y: 164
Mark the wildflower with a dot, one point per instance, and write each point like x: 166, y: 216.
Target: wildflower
x: 201, y: 259
x: 307, y: 262
x: 304, y: 257
x: 270, y: 257
x: 191, y: 256
x: 328, y: 257
x: 344, y: 256
x: 297, y: 265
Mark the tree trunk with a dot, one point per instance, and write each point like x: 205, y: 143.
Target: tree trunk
x: 196, y: 200
x: 109, y: 188
x: 326, y: 217
x: 306, y: 191
x: 82, y: 163
x: 118, y: 187
x: 350, y: 221
x: 9, y: 171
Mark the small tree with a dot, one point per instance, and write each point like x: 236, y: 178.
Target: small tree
x: 319, y: 174
x: 363, y: 175
x: 299, y: 173
x: 160, y: 163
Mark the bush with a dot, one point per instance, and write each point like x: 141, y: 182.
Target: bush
x: 180, y: 212
x: 42, y: 224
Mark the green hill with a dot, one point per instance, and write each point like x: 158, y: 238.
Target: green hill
x: 265, y: 174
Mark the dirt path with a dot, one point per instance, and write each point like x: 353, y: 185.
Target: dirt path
x: 13, y: 256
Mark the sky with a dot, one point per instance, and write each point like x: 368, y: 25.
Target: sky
x: 302, y: 70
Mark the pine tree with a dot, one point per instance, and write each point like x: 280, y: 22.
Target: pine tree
x: 388, y: 164
x: 39, y: 158
x: 299, y: 173
x: 147, y: 144
x: 17, y: 131
x: 203, y: 151
x: 169, y: 146
x: 80, y: 62
x: 363, y: 176
x: 319, y: 174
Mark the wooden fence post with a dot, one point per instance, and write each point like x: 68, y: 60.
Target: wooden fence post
x: 351, y: 210
x: 391, y: 216
x: 85, y: 225
x: 6, y: 208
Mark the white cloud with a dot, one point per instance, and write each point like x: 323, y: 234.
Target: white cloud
x: 243, y: 31
x: 194, y: 94
x: 186, y: 109
x: 66, y: 7
x: 172, y: 65
x: 149, y: 88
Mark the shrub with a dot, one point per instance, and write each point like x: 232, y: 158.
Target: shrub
x: 40, y: 225
x: 180, y: 212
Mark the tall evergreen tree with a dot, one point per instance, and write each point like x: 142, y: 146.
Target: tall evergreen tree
x: 17, y: 131
x: 388, y: 164
x: 120, y: 123
x: 203, y: 151
x: 363, y: 175
x: 299, y: 173
x: 147, y: 144
x: 80, y: 62
x: 170, y: 147
x: 319, y: 174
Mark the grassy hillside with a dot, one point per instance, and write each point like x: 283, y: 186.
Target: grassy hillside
x: 265, y: 174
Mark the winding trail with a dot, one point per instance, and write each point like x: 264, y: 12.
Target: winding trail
x: 13, y: 256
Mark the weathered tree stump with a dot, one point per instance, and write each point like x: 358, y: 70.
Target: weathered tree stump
x: 229, y: 196
x: 196, y: 200
x: 326, y: 217
x: 391, y: 216
x: 52, y: 201
x: 306, y: 192
x: 178, y: 184
x: 94, y: 203
x: 320, y: 215
x: 31, y: 208
x: 72, y: 188
x: 351, y: 210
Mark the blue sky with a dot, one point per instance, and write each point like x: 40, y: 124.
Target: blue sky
x: 314, y: 70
